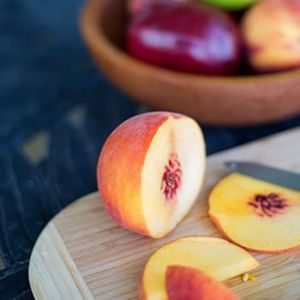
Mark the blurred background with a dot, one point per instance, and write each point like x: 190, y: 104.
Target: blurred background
x: 56, y: 109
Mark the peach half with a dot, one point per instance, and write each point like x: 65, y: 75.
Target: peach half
x: 150, y: 171
x: 216, y: 257
x: 255, y: 214
x: 186, y: 283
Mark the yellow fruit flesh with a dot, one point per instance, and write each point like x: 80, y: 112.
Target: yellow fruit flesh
x: 271, y: 230
x: 216, y: 257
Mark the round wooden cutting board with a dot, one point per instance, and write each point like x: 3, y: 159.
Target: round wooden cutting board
x: 83, y: 254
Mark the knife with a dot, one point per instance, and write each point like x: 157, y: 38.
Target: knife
x: 276, y: 176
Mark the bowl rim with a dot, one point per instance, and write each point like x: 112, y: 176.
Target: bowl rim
x: 96, y: 39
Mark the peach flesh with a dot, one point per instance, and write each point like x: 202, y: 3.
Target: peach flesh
x: 216, y: 257
x: 256, y: 215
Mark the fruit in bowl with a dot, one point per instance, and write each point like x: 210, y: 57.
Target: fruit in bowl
x: 234, y: 101
x: 185, y: 37
x: 271, y: 31
x: 150, y: 171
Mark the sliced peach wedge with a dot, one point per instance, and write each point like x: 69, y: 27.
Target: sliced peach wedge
x: 186, y: 283
x: 150, y: 171
x: 216, y: 257
x: 255, y: 214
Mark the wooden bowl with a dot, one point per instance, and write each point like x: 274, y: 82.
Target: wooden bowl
x: 239, y: 100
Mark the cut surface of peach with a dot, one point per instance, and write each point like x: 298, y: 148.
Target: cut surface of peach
x: 150, y: 171
x: 186, y: 283
x: 216, y: 257
x: 255, y: 214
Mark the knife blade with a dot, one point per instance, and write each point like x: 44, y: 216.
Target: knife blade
x: 273, y: 175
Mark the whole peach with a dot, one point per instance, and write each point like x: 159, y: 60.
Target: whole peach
x: 271, y: 31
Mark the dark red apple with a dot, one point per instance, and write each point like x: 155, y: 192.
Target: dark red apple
x: 185, y: 37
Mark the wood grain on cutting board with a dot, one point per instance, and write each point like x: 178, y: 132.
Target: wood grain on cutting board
x: 83, y: 254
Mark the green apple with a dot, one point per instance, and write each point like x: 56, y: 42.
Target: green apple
x: 230, y: 4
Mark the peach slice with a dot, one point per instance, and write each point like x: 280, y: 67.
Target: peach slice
x: 216, y: 257
x: 185, y: 283
x: 150, y: 171
x: 255, y: 214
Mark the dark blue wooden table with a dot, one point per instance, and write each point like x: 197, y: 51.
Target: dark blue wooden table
x: 55, y: 111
